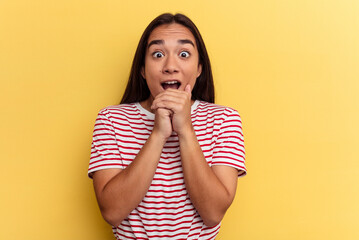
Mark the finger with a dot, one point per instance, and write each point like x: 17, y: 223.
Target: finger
x: 164, y: 112
x: 166, y: 103
x: 176, y: 91
x: 173, y: 105
x: 170, y: 97
x: 173, y: 92
x: 180, y: 95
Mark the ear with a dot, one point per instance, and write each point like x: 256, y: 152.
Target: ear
x: 143, y: 72
x: 199, y: 70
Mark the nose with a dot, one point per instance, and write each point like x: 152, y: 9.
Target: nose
x: 170, y: 65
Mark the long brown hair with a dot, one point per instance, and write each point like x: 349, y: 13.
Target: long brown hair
x: 137, y: 89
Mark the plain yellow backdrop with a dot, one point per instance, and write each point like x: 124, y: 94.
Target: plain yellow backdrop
x: 291, y: 69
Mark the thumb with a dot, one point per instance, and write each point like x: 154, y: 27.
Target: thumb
x: 188, y: 88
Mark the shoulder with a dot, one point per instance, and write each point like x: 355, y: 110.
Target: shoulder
x: 212, y: 109
x: 125, y: 110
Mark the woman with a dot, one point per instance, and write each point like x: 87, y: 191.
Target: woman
x: 165, y: 162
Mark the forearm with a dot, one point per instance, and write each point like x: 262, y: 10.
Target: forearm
x: 126, y: 189
x: 207, y: 193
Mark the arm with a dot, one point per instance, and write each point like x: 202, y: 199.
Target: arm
x: 211, y: 190
x: 119, y: 191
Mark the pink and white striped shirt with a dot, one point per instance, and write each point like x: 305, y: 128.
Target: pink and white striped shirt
x: 166, y: 211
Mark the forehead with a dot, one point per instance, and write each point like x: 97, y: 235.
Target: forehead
x: 172, y: 31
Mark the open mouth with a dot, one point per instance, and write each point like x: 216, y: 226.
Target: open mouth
x: 171, y: 84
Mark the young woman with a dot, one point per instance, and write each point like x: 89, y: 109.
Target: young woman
x: 165, y: 162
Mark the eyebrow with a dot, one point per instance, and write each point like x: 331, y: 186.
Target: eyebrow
x: 158, y: 42
x: 161, y: 42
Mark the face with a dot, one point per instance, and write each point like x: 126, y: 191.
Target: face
x: 171, y: 59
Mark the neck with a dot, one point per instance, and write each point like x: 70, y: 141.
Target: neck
x: 146, y: 104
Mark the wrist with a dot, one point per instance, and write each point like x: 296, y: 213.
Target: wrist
x: 187, y: 133
x: 158, y: 137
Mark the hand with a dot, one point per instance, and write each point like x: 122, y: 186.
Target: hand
x: 163, y: 125
x: 178, y: 103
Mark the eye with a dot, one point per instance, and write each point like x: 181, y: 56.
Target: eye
x: 184, y: 54
x: 157, y: 54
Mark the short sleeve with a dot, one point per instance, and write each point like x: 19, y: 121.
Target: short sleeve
x: 229, y: 146
x: 104, y: 149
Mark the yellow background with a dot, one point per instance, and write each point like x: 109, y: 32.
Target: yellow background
x: 291, y: 69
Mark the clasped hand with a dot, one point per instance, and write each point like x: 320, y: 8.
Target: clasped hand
x: 173, y: 111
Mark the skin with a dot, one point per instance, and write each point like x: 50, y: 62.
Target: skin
x: 170, y: 56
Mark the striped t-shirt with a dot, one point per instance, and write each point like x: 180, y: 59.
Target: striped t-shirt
x: 166, y: 211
